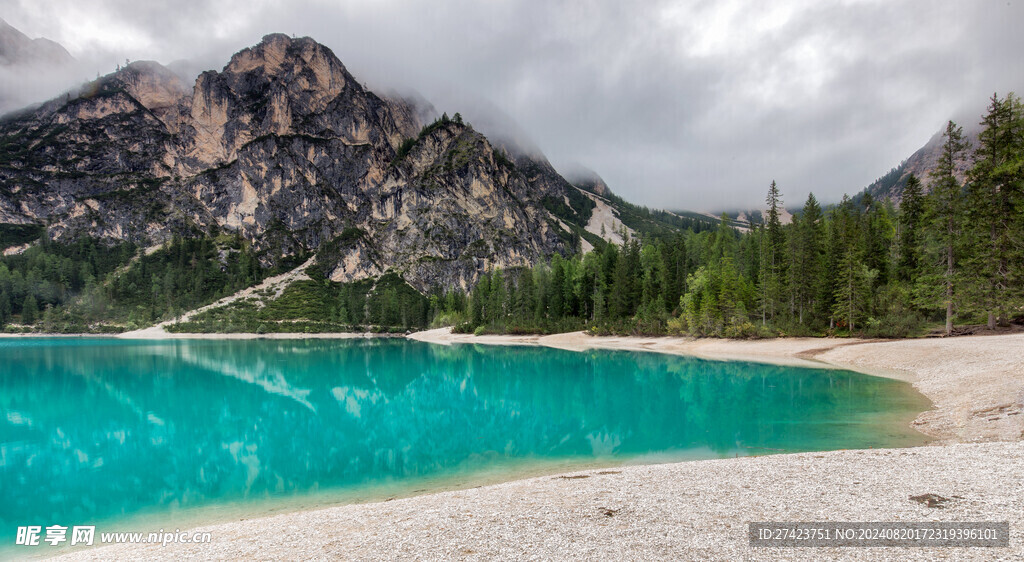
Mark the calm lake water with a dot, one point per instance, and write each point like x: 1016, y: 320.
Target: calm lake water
x: 110, y: 432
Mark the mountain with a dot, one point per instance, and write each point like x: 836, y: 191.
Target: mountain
x: 588, y: 180
x: 32, y: 69
x: 746, y: 219
x: 921, y: 163
x: 285, y: 148
x: 16, y: 48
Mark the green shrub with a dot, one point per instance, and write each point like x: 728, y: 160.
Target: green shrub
x: 902, y: 325
x: 463, y: 328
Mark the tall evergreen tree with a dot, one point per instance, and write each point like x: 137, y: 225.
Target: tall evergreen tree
x: 675, y: 270
x: 850, y: 272
x: 875, y: 229
x: 622, y: 298
x: 527, y: 297
x: 911, y: 215
x: 5, y: 307
x: 945, y: 214
x: 479, y: 299
x: 772, y: 254
x: 652, y: 268
x: 591, y: 275
x: 806, y: 267
x: 497, y: 299
x: 996, y: 200
x: 29, y: 310
x: 556, y: 299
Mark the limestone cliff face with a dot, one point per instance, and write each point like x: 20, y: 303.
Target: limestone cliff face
x: 285, y: 147
x: 450, y: 208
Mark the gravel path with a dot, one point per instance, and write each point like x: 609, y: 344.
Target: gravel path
x: 276, y: 285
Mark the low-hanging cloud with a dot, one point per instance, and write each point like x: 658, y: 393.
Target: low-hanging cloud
x: 676, y: 104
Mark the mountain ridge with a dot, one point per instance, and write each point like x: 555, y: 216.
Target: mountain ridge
x: 921, y: 163
x: 285, y: 148
x: 16, y: 48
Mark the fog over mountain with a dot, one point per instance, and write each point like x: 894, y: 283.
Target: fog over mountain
x: 31, y: 70
x: 694, y: 105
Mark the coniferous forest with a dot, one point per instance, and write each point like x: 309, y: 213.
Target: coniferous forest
x: 951, y: 253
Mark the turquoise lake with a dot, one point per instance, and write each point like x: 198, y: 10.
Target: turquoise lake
x: 152, y: 434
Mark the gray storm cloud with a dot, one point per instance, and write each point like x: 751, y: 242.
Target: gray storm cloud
x: 694, y: 105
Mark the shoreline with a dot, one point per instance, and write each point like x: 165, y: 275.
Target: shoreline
x: 699, y: 509
x: 153, y: 334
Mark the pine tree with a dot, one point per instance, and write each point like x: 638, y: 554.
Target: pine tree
x: 807, y: 257
x: 875, y: 228
x: 945, y: 216
x: 652, y: 268
x: 850, y: 272
x: 591, y: 274
x: 527, y: 297
x: 29, y: 310
x: 570, y: 292
x: 619, y: 291
x: 675, y: 270
x: 478, y: 300
x: 556, y: 302
x: 772, y: 253
x: 5, y: 307
x: 911, y: 215
x: 497, y: 299
x: 995, y: 195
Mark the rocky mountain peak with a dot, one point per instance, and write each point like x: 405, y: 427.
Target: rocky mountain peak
x: 286, y: 86
x: 152, y: 84
x: 300, y: 65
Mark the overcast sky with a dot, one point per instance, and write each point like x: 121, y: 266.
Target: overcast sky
x: 696, y: 105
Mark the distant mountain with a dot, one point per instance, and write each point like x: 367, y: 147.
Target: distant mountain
x: 749, y: 218
x: 289, y: 150
x: 588, y: 180
x: 921, y: 163
x: 17, y: 49
x: 31, y: 69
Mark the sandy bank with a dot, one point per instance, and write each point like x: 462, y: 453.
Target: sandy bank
x: 158, y: 333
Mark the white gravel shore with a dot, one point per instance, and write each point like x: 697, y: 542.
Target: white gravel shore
x: 700, y: 510
x: 680, y: 511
